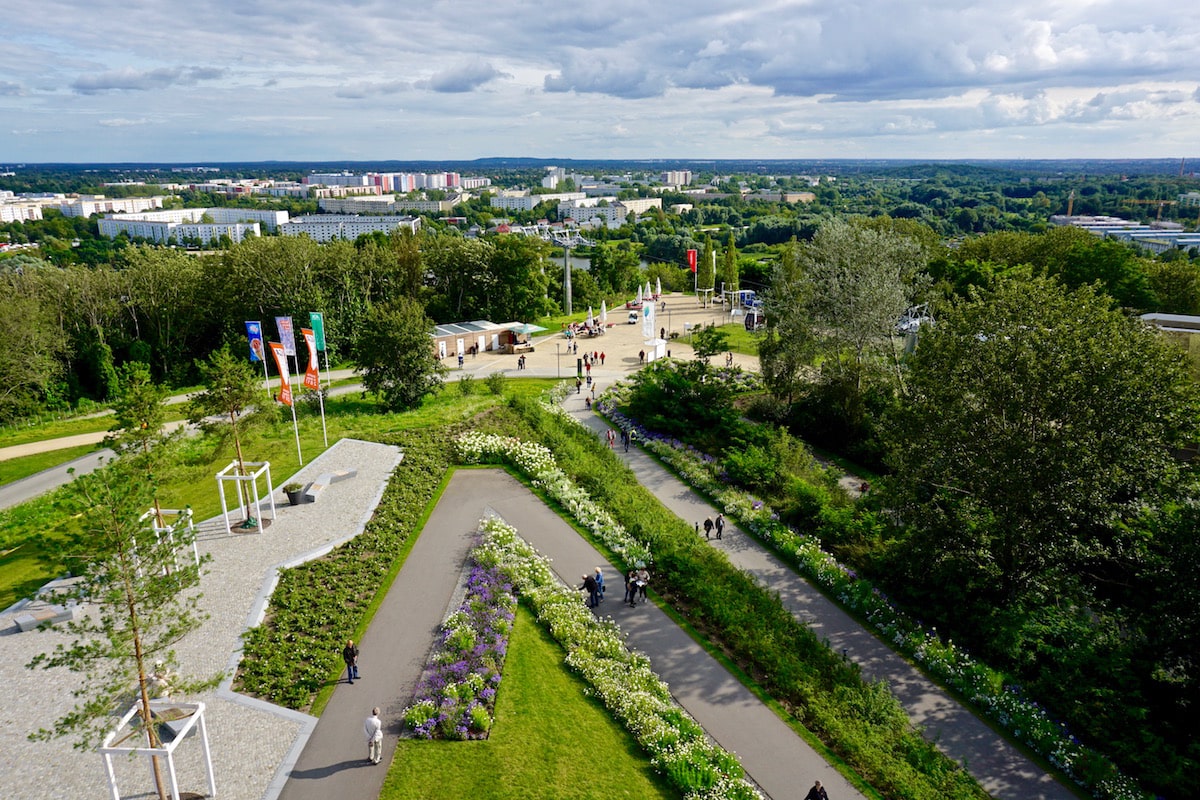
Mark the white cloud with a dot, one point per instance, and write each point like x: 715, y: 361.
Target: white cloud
x: 704, y: 80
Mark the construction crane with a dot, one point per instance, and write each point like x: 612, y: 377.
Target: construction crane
x: 1160, y: 204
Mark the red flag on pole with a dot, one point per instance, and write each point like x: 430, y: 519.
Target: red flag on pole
x: 691, y: 256
x: 285, y: 386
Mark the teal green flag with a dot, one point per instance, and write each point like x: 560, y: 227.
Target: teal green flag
x: 317, y: 322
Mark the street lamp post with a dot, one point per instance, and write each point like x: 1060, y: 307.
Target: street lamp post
x: 558, y: 357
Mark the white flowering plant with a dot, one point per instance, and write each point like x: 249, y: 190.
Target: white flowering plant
x: 623, y: 680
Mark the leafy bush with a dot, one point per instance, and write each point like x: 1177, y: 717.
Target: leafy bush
x: 495, y: 382
x: 466, y: 385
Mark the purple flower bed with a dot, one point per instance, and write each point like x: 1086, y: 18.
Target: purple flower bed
x: 456, y: 696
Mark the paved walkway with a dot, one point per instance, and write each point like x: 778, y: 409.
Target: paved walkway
x: 1002, y: 770
x: 251, y: 741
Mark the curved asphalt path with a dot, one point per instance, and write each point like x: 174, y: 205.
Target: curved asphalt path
x: 394, y: 650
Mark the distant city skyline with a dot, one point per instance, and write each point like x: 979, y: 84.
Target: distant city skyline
x: 108, y: 81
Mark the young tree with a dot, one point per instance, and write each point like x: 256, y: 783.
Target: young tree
x: 707, y: 342
x: 1036, y: 422
x: 137, y: 430
x: 395, y: 354
x: 729, y: 266
x: 146, y: 603
x: 231, y: 388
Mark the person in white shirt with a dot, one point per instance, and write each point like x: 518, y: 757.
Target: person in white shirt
x: 374, y: 730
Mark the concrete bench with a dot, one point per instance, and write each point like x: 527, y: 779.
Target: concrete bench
x: 31, y: 620
x: 325, y: 479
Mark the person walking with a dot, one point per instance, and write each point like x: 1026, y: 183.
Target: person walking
x: 708, y: 526
x: 600, y: 583
x: 643, y: 580
x: 625, y: 438
x: 631, y: 588
x: 578, y: 386
x: 612, y: 438
x: 817, y: 792
x: 602, y: 358
x: 720, y: 525
x: 350, y: 656
x: 374, y: 730
x: 593, y: 590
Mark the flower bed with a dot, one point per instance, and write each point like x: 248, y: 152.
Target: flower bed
x: 537, y: 462
x: 456, y: 698
x: 622, y: 680
x: 982, y: 686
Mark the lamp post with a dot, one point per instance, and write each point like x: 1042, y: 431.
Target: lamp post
x: 558, y: 357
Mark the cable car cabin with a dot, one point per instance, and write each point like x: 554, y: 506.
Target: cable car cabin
x: 755, y: 319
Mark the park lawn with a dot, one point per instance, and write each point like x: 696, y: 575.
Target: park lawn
x: 741, y: 340
x: 29, y: 532
x: 10, y: 436
x: 14, y: 469
x: 549, y: 741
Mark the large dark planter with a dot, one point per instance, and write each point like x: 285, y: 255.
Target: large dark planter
x: 296, y: 497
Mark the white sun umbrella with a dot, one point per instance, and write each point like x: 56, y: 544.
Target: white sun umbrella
x: 658, y: 287
x: 589, y: 322
x: 603, y: 312
x: 648, y: 293
x: 639, y: 297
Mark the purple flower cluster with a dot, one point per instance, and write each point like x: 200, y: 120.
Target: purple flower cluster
x: 456, y: 696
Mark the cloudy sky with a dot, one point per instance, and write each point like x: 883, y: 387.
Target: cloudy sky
x: 233, y: 80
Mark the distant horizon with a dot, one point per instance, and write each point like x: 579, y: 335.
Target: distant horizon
x: 1187, y: 164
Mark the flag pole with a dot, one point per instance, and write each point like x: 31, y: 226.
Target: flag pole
x: 296, y: 430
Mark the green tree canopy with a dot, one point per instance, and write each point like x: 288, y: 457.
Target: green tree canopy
x: 395, y: 355
x: 1036, y: 421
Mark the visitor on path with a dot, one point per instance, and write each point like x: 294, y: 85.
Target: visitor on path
x: 643, y: 580
x: 662, y: 333
x: 642, y: 356
x: 587, y: 402
x: 602, y: 358
x: 595, y: 356
x: 593, y: 590
x: 817, y: 792
x: 350, y: 656
x: 460, y: 360
x: 625, y: 438
x: 729, y: 359
x: 697, y: 528
x: 611, y: 437
x: 578, y: 386
x: 631, y: 588
x: 708, y: 527
x: 374, y: 730
x: 600, y: 583
x: 720, y: 525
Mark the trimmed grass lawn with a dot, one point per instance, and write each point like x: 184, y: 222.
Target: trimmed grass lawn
x: 29, y: 532
x: 14, y: 469
x: 549, y: 741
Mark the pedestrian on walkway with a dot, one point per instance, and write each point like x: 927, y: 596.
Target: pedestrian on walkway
x: 631, y: 588
x: 708, y: 526
x: 374, y: 730
x: 611, y: 437
x: 720, y: 525
x: 593, y: 590
x: 697, y: 528
x: 578, y: 386
x: 643, y: 580
x: 350, y: 656
x: 600, y: 583
x: 641, y: 356
x: 625, y: 438
x: 602, y: 358
x: 817, y: 792
x: 460, y: 360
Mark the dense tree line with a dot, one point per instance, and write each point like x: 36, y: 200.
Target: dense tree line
x: 1030, y: 434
